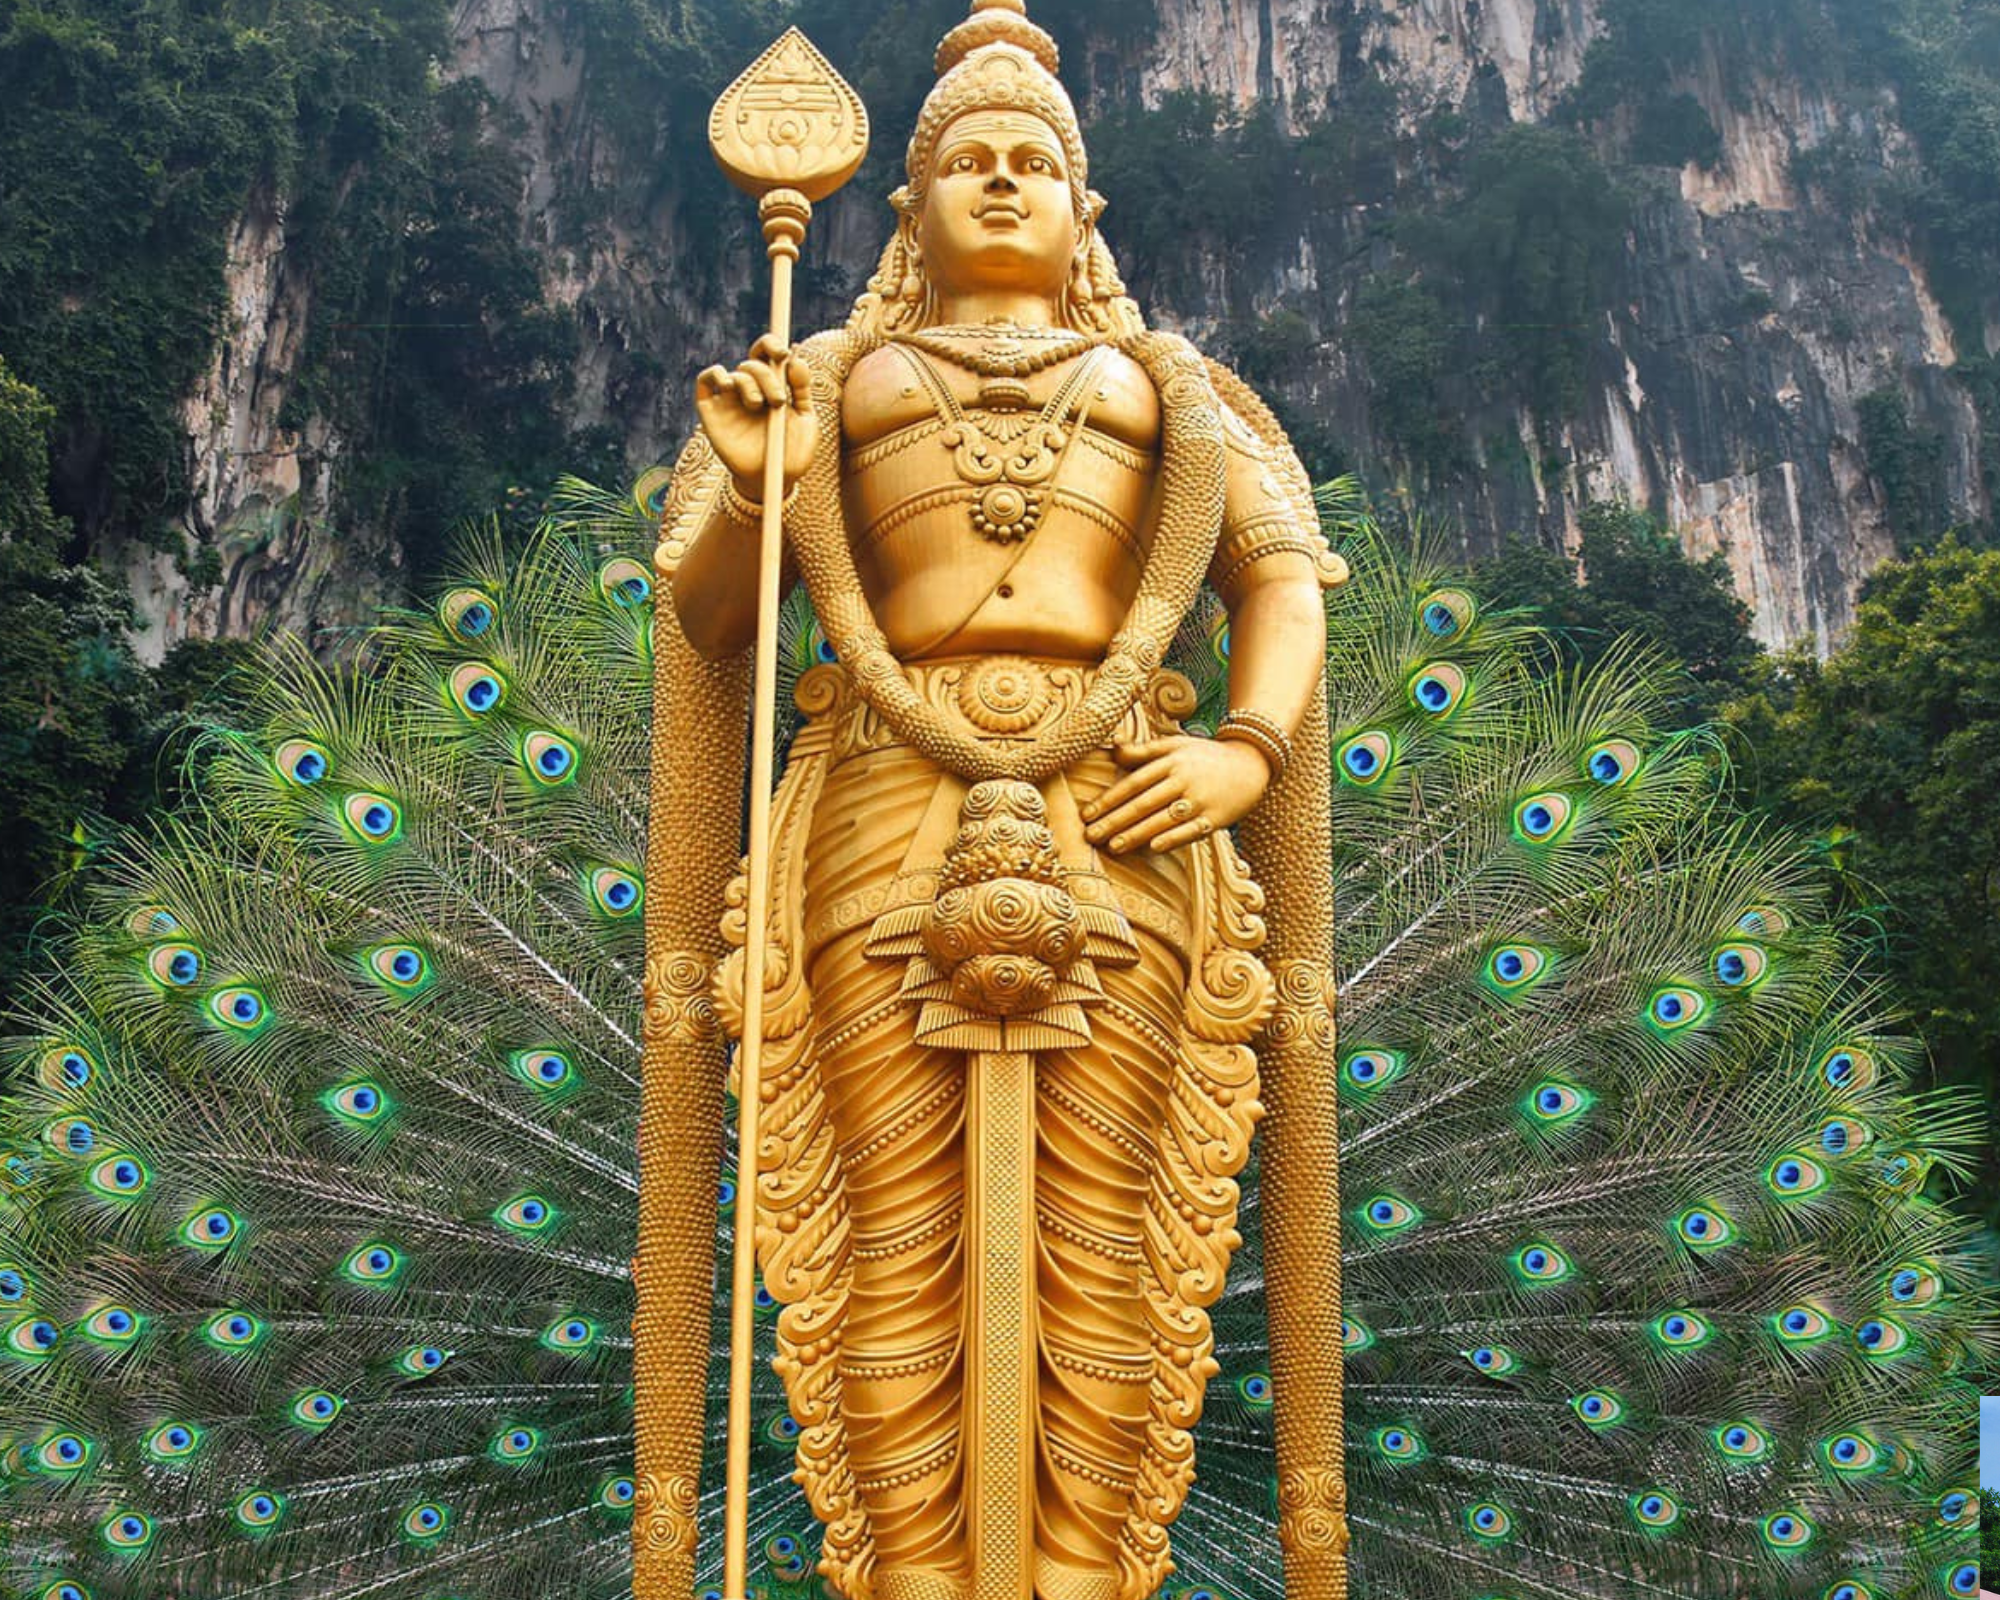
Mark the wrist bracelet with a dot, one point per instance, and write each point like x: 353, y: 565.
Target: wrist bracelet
x: 746, y: 511
x: 1263, y: 734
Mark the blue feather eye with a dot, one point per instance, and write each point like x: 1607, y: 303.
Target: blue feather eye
x: 548, y: 758
x: 1654, y: 1510
x: 1437, y: 690
x: 1542, y: 818
x: 1787, y: 1530
x: 1399, y: 1445
x: 421, y: 1360
x: 515, y: 1447
x: 212, y: 1228
x: 1356, y: 1336
x: 624, y: 583
x: 400, y: 968
x: 1848, y: 1589
x: 1850, y: 1453
x: 374, y: 1265
x: 782, y: 1429
x: 1515, y: 967
x: 1384, y: 1214
x: 427, y: 1522
x: 1370, y: 1069
x: 1681, y: 1330
x: 1740, y: 966
x: 1495, y: 1360
x: 1963, y: 1578
x: 1540, y: 1263
x: 1365, y: 759
x: 1613, y: 763
x: 477, y: 689
x: 1802, y: 1325
x: 1552, y: 1104
x: 32, y: 1338
x: 360, y: 1103
x: 1598, y: 1408
x: 1847, y: 1068
x: 1914, y: 1285
x: 1676, y: 1007
x: 172, y: 1444
x: 119, y: 1177
x: 175, y: 966
x: 1795, y: 1177
x: 1488, y: 1522
x: 1255, y: 1388
x: 570, y: 1335
x: 372, y: 818
x: 1447, y: 612
x: 1742, y: 1441
x: 63, y: 1455
x: 1882, y: 1338
x: 616, y: 892
x: 234, y: 1331
x: 526, y: 1214
x: 820, y: 651
x: 1218, y: 635
x: 302, y: 763
x: 259, y: 1511
x: 1704, y: 1228
x: 467, y: 613
x: 67, y: 1068
x: 14, y: 1284
x: 547, y: 1070
x: 127, y: 1531
x: 241, y: 1008
x: 1904, y: 1171
x: 72, y: 1136
x: 64, y: 1589
x: 1764, y: 922
x: 316, y: 1410
x: 616, y: 1493
x: 1841, y: 1136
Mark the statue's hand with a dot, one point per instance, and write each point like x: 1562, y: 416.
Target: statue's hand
x: 735, y: 408
x: 1178, y: 789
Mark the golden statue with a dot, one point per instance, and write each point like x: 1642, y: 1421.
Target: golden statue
x: 1024, y: 1002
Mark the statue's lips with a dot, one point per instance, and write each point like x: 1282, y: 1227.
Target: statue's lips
x: 1006, y: 214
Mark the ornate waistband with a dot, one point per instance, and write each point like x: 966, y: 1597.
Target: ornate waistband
x: 999, y: 699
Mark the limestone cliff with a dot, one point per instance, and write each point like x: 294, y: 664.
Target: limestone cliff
x: 1724, y: 386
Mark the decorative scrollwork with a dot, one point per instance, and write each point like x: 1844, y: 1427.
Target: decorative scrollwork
x: 663, y: 1511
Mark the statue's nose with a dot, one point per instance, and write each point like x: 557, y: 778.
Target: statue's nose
x: 1000, y: 179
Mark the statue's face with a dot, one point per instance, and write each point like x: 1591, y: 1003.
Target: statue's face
x: 998, y: 213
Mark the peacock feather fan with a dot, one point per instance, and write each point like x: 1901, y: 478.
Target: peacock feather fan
x: 318, y: 1178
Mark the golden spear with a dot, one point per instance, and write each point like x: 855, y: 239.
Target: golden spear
x: 789, y: 131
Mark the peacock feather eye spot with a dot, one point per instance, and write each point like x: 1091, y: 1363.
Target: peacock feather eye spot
x: 1540, y: 1263
x: 373, y: 818
x: 1369, y: 1069
x: 782, y: 1429
x: 1488, y: 1522
x: 1954, y: 1507
x: 1676, y: 1007
x: 526, y: 1214
x: 1612, y: 763
x: 1598, y: 1409
x: 1514, y: 967
x: 1654, y: 1509
x: 259, y: 1511
x: 1447, y: 612
x: 477, y: 689
x: 233, y: 1331
x: 1681, y: 1330
x: 239, y: 1008
x: 1850, y: 1453
x: 301, y: 763
x: 1740, y: 966
x: 1742, y: 1441
x: 373, y: 1265
x: 63, y: 1589
x: 1802, y: 1325
x: 174, y: 966
x: 1553, y: 1103
x: 360, y: 1102
x: 13, y: 1286
x: 515, y: 1446
x: 1882, y: 1337
x: 1704, y: 1228
x: 467, y: 613
x: 1542, y: 818
x: 399, y: 968
x: 624, y: 583
x: 316, y: 1410
x: 1385, y: 1214
x: 1255, y: 1388
x: 616, y: 892
x: 1787, y: 1530
x: 549, y: 758
x: 570, y: 1335
x: 75, y: 1136
x: 1496, y: 1361
x: 1848, y: 1068
x: 1437, y: 690
x: 33, y: 1338
x: 127, y: 1531
x: 1764, y: 922
x: 426, y: 1522
x: 1356, y: 1336
x: 421, y: 1360
x: 172, y: 1443
x: 1847, y: 1589
x: 546, y: 1070
x: 1398, y: 1445
x: 1913, y: 1285
x: 211, y: 1228
x: 119, y: 1177
x: 1839, y: 1136
x: 1903, y: 1171
x: 1963, y: 1579
x: 63, y: 1455
x: 1794, y: 1177
x: 1365, y: 758
x: 67, y: 1068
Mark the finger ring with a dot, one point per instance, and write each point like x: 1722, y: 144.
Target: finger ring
x: 1181, y: 809
x: 1204, y: 827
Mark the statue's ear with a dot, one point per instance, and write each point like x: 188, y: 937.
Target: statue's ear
x: 904, y: 202
x: 1093, y: 206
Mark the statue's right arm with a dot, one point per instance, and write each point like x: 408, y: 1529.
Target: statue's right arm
x: 715, y: 588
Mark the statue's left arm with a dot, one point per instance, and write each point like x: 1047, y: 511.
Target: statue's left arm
x: 1265, y: 571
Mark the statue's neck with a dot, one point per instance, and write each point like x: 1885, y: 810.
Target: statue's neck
x: 1024, y: 310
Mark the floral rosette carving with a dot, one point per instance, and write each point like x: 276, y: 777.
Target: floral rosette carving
x: 664, y: 1510
x: 1312, y: 1511
x: 679, y: 1003
x: 1305, y: 1005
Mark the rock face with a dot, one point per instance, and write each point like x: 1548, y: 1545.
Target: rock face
x: 1723, y: 391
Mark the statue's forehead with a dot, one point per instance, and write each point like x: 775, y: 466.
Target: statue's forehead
x: 1000, y: 125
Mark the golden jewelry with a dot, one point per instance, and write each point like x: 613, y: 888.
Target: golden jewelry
x: 1004, y: 354
x: 1181, y: 809
x: 1264, y: 734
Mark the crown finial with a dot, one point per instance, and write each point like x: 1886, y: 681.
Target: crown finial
x: 997, y: 22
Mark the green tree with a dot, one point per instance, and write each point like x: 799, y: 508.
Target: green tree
x: 1632, y: 577
x: 1890, y: 750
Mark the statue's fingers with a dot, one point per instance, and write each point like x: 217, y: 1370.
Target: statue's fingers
x: 1183, y: 833
x: 712, y: 381
x: 769, y: 384
x: 748, y: 390
x: 799, y: 377
x: 1138, y: 751
x: 1162, y: 819
x: 1121, y: 791
x: 1155, y: 798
